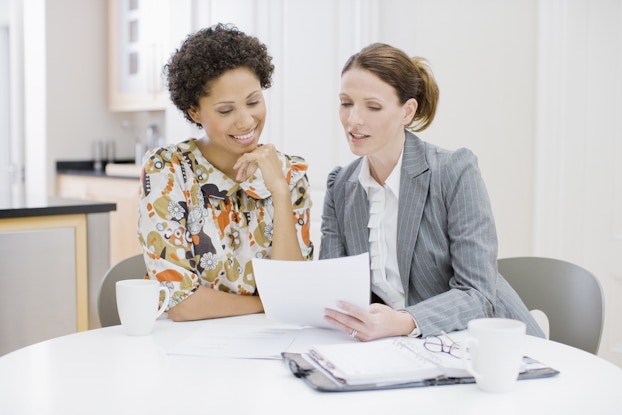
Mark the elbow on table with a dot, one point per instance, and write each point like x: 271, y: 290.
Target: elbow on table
x: 178, y: 313
x: 191, y: 307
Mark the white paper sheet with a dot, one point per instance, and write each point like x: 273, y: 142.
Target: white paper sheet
x: 298, y: 291
x: 314, y: 336
x: 247, y: 341
x: 239, y: 341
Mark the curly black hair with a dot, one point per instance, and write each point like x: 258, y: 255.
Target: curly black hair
x: 207, y: 54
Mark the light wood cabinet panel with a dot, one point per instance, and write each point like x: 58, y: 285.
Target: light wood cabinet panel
x: 124, y: 192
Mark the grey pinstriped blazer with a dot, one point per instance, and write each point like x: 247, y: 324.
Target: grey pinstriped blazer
x: 446, y: 237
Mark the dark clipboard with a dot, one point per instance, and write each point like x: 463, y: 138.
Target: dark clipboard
x: 324, y: 382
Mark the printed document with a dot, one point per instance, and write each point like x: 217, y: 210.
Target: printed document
x: 255, y: 341
x: 298, y: 291
x: 244, y: 341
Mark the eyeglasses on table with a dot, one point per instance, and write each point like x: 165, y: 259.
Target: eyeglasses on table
x: 442, y: 344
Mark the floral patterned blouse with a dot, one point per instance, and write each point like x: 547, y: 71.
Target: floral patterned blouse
x: 199, y: 227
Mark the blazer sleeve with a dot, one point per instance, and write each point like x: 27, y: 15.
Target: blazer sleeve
x: 331, y: 245
x: 458, y: 237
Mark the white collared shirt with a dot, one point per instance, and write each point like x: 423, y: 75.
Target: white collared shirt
x: 383, y: 206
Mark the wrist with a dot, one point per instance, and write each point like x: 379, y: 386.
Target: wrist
x: 280, y: 191
x: 411, y: 329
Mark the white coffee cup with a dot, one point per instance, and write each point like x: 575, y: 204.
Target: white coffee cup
x: 493, y: 352
x: 137, y: 302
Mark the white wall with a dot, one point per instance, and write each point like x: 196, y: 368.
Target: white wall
x: 5, y: 170
x: 483, y: 53
x: 578, y: 192
x: 13, y: 168
x: 35, y: 106
x: 76, y: 93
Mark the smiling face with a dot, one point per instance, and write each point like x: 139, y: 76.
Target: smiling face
x: 232, y: 115
x: 372, y: 116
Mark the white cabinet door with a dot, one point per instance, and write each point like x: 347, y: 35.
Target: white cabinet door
x: 38, y: 276
x: 138, y: 35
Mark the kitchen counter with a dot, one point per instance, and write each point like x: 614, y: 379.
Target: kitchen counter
x: 57, y: 250
x: 117, y: 183
x: 46, y: 206
x: 122, y: 169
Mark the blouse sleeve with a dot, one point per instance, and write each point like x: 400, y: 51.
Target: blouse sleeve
x: 169, y: 254
x: 301, y: 202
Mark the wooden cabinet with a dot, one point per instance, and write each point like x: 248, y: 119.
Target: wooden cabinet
x: 54, y: 255
x: 124, y: 192
x: 48, y: 298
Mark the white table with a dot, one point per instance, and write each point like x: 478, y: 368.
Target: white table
x: 104, y: 371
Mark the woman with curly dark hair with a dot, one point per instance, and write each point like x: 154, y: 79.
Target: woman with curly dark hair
x: 210, y: 205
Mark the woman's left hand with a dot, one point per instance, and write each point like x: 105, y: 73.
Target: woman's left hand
x: 377, y: 322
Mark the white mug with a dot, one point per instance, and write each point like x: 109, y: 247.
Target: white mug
x: 495, y: 347
x: 137, y: 302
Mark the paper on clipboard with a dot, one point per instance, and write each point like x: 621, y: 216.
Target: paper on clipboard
x: 298, y: 291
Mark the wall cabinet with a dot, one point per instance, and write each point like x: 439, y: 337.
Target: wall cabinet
x: 124, y: 221
x: 137, y: 36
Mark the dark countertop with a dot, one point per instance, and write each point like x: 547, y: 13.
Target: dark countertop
x: 45, y: 206
x: 87, y: 168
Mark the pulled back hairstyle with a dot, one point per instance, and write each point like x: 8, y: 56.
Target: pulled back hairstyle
x: 410, y: 77
x: 206, y: 55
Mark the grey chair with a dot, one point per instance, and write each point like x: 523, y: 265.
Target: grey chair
x: 132, y: 267
x: 569, y: 295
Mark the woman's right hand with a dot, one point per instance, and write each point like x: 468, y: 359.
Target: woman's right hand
x: 265, y: 158
x: 377, y: 322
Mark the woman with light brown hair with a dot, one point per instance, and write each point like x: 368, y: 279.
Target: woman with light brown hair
x: 422, y: 212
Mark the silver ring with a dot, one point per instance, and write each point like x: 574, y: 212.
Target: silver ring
x: 353, y: 333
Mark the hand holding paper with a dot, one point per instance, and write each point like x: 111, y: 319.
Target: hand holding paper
x: 299, y: 291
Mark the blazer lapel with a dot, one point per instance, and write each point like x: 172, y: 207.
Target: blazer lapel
x: 414, y: 185
x: 357, y: 215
